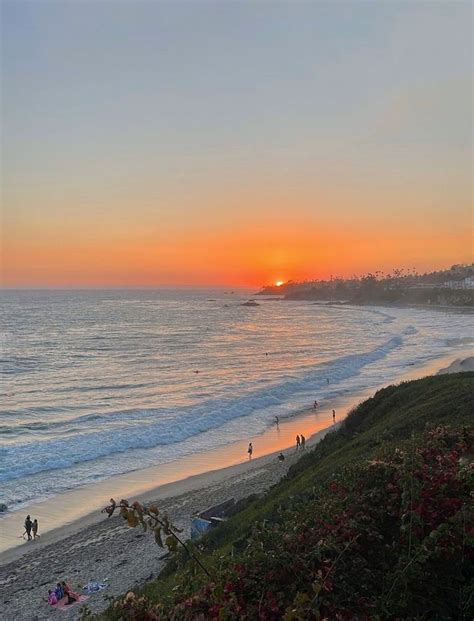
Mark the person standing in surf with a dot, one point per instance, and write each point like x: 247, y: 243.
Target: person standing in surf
x: 334, y: 416
x: 250, y: 450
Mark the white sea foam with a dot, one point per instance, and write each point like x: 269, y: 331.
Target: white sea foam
x: 97, y: 383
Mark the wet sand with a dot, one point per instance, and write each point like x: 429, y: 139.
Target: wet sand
x: 79, y: 544
x: 108, y: 549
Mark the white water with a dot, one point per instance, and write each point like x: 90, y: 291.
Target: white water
x: 96, y: 383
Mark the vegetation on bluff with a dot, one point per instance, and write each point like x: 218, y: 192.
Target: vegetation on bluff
x: 375, y: 523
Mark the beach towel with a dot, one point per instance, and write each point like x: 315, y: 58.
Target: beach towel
x: 94, y: 587
x: 63, y: 605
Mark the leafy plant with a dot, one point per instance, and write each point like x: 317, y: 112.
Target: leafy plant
x: 375, y: 523
x: 150, y: 518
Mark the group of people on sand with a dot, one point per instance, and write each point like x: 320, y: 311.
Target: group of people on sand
x: 31, y: 528
x: 300, y: 439
x: 62, y: 591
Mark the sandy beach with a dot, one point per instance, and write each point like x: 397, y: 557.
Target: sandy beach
x: 459, y: 366
x: 90, y: 547
x: 109, y: 550
x: 227, y: 227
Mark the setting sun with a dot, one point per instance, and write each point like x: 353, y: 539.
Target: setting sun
x: 279, y: 283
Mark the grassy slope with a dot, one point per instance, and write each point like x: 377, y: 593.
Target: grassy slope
x: 389, y: 419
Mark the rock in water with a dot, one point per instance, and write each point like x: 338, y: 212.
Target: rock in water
x: 251, y: 303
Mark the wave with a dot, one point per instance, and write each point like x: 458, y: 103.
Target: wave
x: 149, y: 428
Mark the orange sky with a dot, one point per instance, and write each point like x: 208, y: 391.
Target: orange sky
x: 239, y: 256
x: 241, y: 145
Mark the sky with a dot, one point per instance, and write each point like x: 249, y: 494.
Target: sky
x: 194, y: 143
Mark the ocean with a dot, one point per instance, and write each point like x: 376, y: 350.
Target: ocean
x: 102, y: 382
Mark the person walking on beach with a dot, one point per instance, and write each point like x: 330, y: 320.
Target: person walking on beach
x: 334, y: 416
x: 250, y: 450
x: 298, y: 442
x: 34, y: 528
x: 303, y: 441
x: 28, y: 525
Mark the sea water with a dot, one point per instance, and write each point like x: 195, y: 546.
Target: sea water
x: 98, y: 383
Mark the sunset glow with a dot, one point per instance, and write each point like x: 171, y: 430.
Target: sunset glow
x: 122, y: 168
x: 232, y: 232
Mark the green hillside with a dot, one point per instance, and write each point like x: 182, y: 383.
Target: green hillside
x: 376, y: 522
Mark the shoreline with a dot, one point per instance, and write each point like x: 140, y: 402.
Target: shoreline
x: 94, y: 548
x: 468, y: 310
x: 460, y: 365
x: 107, y: 550
x: 164, y: 481
x: 398, y: 304
x: 71, y: 511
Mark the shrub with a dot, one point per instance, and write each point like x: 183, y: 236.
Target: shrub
x: 388, y: 538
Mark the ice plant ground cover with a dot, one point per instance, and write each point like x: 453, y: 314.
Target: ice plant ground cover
x: 375, y: 523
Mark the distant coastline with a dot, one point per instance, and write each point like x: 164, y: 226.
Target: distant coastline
x: 453, y: 287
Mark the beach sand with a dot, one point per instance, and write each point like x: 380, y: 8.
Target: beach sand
x: 459, y: 366
x: 126, y: 557
x: 82, y: 546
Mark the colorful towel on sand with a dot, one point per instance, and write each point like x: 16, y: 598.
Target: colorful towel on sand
x: 63, y: 605
x: 94, y: 587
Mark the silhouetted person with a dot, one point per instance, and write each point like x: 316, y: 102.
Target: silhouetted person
x: 315, y: 404
x: 250, y: 450
x: 34, y: 528
x: 281, y: 458
x: 28, y: 526
x: 298, y: 442
x: 277, y: 421
x: 334, y: 416
x: 303, y: 441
